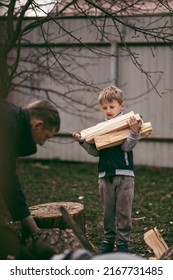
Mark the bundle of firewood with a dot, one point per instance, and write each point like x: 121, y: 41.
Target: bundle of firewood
x: 113, y: 132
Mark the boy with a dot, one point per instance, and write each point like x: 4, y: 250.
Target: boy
x: 21, y: 129
x: 116, y: 176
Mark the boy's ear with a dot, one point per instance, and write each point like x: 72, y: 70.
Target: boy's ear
x: 122, y: 105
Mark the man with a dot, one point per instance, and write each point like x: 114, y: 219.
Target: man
x: 21, y: 129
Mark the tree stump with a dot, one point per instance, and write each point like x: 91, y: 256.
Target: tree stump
x: 48, y: 215
x: 54, y: 229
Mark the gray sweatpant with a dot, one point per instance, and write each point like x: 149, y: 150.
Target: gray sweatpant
x: 117, y: 194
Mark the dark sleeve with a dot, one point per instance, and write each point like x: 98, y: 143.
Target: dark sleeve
x: 10, y: 187
x: 15, y: 200
x: 90, y: 148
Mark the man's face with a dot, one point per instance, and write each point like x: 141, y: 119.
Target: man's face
x: 40, y: 134
x: 111, y: 109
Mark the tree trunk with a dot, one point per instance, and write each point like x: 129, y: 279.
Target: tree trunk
x: 4, y: 75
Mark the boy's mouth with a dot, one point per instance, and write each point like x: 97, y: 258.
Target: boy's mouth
x: 110, y: 116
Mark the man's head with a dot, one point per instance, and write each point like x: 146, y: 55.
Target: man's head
x: 45, y: 120
x: 111, y: 101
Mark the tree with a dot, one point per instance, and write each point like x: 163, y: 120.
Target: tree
x: 19, y: 71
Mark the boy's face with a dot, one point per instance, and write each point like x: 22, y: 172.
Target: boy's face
x: 111, y: 109
x: 40, y: 134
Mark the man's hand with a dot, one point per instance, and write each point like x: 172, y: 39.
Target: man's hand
x: 29, y: 227
x: 29, y: 223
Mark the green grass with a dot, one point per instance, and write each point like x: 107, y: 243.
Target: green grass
x: 50, y: 181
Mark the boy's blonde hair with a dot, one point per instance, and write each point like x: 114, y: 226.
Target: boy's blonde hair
x: 111, y: 93
x: 45, y: 111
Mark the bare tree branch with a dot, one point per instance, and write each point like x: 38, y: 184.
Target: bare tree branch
x: 22, y: 71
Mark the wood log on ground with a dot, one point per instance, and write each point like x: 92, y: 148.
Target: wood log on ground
x: 48, y: 215
x: 117, y: 137
x: 155, y: 242
x: 117, y: 123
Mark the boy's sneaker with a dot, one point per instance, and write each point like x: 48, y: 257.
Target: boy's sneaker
x: 122, y: 246
x: 106, y: 247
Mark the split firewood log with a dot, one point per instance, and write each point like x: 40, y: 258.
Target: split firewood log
x: 117, y: 137
x: 48, y: 215
x: 117, y: 123
x: 155, y: 242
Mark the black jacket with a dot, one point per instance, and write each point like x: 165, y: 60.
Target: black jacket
x: 15, y: 141
x: 114, y: 158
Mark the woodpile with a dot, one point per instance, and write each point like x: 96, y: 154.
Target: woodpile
x: 113, y: 132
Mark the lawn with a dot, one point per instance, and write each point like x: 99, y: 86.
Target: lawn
x: 50, y: 181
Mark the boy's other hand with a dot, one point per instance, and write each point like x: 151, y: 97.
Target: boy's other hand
x: 134, y: 124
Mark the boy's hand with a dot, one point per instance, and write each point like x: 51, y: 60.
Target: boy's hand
x: 78, y: 137
x: 134, y: 125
